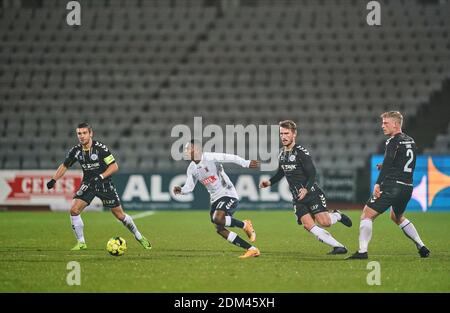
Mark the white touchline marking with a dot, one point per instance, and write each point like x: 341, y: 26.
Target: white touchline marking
x: 140, y: 215
x: 143, y: 214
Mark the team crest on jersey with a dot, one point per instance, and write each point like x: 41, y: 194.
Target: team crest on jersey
x: 94, y: 157
x: 292, y: 158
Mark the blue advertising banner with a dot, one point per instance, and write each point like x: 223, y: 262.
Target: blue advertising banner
x: 431, y: 182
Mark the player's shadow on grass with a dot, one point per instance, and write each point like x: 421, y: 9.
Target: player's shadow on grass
x: 302, y: 256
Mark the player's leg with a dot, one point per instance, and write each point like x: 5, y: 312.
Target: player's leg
x: 406, y: 225
x: 365, y: 227
x: 230, y: 205
x: 81, y: 200
x: 77, y: 207
x: 305, y: 218
x: 227, y: 204
x: 325, y: 218
x: 110, y: 199
x: 232, y: 237
x: 128, y: 222
x: 224, y: 204
x: 373, y: 208
x: 365, y: 232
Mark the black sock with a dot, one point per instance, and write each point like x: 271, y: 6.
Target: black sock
x: 238, y: 241
x: 236, y: 223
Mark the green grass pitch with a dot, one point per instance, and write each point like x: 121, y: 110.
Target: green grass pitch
x: 188, y: 256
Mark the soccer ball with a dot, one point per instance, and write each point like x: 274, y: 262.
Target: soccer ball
x: 116, y: 246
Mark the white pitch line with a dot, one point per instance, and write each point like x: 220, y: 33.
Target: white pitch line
x: 140, y: 215
x: 143, y: 214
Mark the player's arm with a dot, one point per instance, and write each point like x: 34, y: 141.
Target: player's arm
x: 231, y: 158
x: 58, y: 174
x: 274, y: 179
x: 188, y: 186
x: 68, y: 162
x: 112, y: 168
x: 391, y: 150
x: 310, y: 171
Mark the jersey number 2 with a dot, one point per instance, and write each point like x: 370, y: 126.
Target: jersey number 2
x: 410, y: 154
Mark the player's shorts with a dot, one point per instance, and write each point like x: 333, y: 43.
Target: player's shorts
x: 312, y: 205
x: 227, y: 204
x: 394, y: 194
x: 106, y: 191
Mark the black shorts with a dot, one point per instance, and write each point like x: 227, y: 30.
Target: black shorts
x: 106, y: 191
x: 227, y: 204
x: 316, y: 203
x: 395, y: 195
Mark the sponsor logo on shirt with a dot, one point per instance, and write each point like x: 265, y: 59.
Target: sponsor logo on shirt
x: 288, y: 167
x: 209, y: 180
x: 90, y: 166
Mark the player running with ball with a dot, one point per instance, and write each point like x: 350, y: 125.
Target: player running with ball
x: 207, y: 168
x: 98, y: 165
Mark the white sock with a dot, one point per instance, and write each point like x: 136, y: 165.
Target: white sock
x: 324, y: 236
x: 128, y: 222
x: 231, y: 236
x: 334, y: 217
x: 365, y: 234
x: 411, y: 232
x: 77, y: 226
x: 227, y: 221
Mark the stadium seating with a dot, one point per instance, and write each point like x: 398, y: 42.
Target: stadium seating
x: 134, y: 69
x: 441, y: 145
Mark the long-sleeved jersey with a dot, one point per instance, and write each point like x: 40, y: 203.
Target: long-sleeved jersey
x: 298, y: 168
x: 209, y: 171
x: 93, y: 161
x: 399, y: 160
